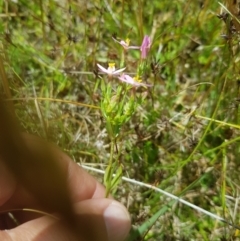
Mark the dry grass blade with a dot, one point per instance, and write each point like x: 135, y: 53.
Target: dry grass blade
x: 234, y: 7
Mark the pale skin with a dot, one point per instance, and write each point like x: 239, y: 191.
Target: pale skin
x: 101, y: 219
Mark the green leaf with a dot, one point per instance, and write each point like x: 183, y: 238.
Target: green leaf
x: 107, y: 176
x: 117, y: 178
x: 143, y: 229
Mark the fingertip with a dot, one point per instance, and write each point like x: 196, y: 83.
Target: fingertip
x: 103, y: 219
x: 117, y: 221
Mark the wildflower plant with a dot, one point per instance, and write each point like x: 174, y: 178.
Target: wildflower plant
x: 119, y: 105
x: 184, y: 137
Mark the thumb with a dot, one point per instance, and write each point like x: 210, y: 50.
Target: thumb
x: 98, y: 219
x: 104, y: 218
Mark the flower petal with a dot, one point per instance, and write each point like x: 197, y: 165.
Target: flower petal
x: 103, y: 69
x: 129, y: 80
x: 125, y: 44
x: 133, y: 47
x: 118, y: 71
x: 116, y: 40
x: 146, y: 43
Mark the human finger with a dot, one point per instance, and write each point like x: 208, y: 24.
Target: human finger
x: 98, y: 219
x: 80, y: 183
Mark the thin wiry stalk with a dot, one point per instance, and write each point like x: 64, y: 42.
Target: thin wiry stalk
x: 201, y: 210
x: 223, y: 191
x: 111, y: 13
x: 53, y: 100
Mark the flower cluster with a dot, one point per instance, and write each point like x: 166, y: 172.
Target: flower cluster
x: 111, y: 70
x: 118, y: 105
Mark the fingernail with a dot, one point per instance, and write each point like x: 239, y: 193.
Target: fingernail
x: 117, y: 221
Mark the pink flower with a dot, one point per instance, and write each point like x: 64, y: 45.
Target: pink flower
x: 111, y: 70
x: 126, y: 44
x: 145, y: 47
x: 135, y: 81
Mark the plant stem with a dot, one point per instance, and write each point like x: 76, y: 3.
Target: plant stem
x: 110, y: 165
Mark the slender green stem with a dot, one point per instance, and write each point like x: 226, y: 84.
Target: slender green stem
x: 140, y: 18
x: 110, y: 165
x: 224, y: 144
x: 122, y: 17
x: 224, y: 167
x: 111, y: 152
x: 42, y: 18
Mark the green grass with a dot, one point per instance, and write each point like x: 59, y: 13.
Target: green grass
x: 183, y: 134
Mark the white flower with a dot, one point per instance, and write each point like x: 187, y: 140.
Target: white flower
x: 135, y: 81
x: 111, y: 70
